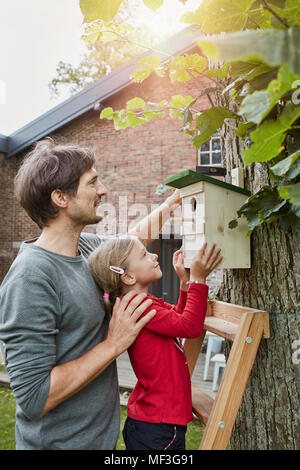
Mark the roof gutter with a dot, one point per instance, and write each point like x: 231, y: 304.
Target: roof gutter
x: 4, y: 139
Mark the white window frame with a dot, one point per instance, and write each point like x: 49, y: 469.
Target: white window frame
x: 210, y: 152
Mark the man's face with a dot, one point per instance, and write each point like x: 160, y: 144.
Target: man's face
x: 83, y: 208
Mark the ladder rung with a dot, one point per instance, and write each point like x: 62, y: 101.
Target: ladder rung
x: 202, y: 403
x: 221, y: 327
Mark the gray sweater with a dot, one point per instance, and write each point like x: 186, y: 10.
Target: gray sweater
x: 51, y: 312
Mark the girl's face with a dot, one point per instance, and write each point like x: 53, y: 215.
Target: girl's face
x: 143, y: 265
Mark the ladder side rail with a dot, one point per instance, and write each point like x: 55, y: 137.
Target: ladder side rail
x: 229, y: 396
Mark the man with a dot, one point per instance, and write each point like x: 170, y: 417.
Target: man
x: 61, y: 345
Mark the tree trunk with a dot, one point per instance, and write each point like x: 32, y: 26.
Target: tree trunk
x: 269, y: 417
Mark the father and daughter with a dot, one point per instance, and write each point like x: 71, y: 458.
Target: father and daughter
x: 160, y: 405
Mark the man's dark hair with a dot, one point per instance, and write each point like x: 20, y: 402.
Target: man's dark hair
x: 47, y: 167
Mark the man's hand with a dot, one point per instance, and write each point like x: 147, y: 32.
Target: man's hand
x: 125, y: 325
x: 68, y: 378
x: 174, y: 200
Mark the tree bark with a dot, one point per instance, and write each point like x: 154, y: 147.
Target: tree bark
x: 269, y: 417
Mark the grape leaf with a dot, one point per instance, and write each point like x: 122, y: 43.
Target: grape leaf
x: 94, y: 9
x: 291, y: 192
x: 208, y: 122
x: 268, y: 138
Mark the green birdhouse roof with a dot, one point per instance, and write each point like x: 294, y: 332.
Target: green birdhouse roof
x: 188, y: 177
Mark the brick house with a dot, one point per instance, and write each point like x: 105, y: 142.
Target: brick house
x: 131, y: 162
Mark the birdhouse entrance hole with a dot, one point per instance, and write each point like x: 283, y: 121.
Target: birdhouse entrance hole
x: 194, y: 204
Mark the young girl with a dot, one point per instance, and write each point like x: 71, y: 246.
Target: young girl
x: 160, y: 405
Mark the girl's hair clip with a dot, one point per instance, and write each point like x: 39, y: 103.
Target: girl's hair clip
x: 117, y: 270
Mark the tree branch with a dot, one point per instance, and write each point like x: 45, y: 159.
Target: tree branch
x: 267, y: 7
x: 210, y: 100
x: 254, y: 22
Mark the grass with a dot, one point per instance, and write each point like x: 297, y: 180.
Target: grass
x: 7, y: 419
x: 7, y: 424
x: 193, y: 435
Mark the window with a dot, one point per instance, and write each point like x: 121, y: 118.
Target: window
x: 210, y: 152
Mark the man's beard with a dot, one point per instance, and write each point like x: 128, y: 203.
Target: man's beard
x: 84, y: 219
x: 80, y: 217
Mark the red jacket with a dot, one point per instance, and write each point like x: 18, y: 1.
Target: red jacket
x: 163, y: 390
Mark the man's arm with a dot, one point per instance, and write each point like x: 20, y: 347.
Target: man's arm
x: 148, y: 229
x: 67, y: 379
x: 29, y: 327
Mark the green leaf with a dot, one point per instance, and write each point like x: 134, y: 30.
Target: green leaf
x: 107, y: 113
x: 208, y: 122
x: 107, y: 31
x: 260, y: 207
x: 241, y: 67
x: 150, y: 115
x: 153, y: 4
x: 291, y: 192
x: 91, y: 38
x: 135, y: 103
x: 181, y: 67
x: 178, y: 103
x: 99, y: 9
x: 243, y: 128
x: 267, y: 142
x: 133, y: 120
x: 268, y: 138
x: 120, y: 120
x: 197, y: 16
x: 255, y: 106
x: 293, y: 141
x: 295, y: 208
x: 283, y: 167
x: 220, y: 15
x: 290, y: 12
x: 234, y: 46
x: 150, y: 64
x: 258, y: 70
x: 233, y: 224
x: 209, y: 49
x: 218, y: 73
x: 161, y: 104
x: 259, y: 17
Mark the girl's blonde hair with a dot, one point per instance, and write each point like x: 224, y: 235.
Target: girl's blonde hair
x: 113, y: 252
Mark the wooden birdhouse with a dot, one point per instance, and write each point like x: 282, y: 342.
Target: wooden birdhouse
x: 208, y: 205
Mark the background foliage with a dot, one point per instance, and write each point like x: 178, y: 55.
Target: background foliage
x: 253, y: 48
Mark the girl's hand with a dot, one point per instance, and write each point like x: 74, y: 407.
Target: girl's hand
x: 182, y: 272
x: 205, y: 262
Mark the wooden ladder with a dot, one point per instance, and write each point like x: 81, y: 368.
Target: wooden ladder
x: 245, y: 327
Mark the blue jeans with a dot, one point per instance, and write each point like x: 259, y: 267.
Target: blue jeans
x: 140, y: 435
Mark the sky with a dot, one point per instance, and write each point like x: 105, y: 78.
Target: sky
x: 35, y: 35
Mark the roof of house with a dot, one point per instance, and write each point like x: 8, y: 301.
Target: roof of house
x: 89, y: 98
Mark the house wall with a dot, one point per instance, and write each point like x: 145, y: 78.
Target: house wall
x: 6, y: 215
x: 131, y: 163
x: 15, y: 225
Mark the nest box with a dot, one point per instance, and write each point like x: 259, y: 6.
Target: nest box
x: 208, y: 205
